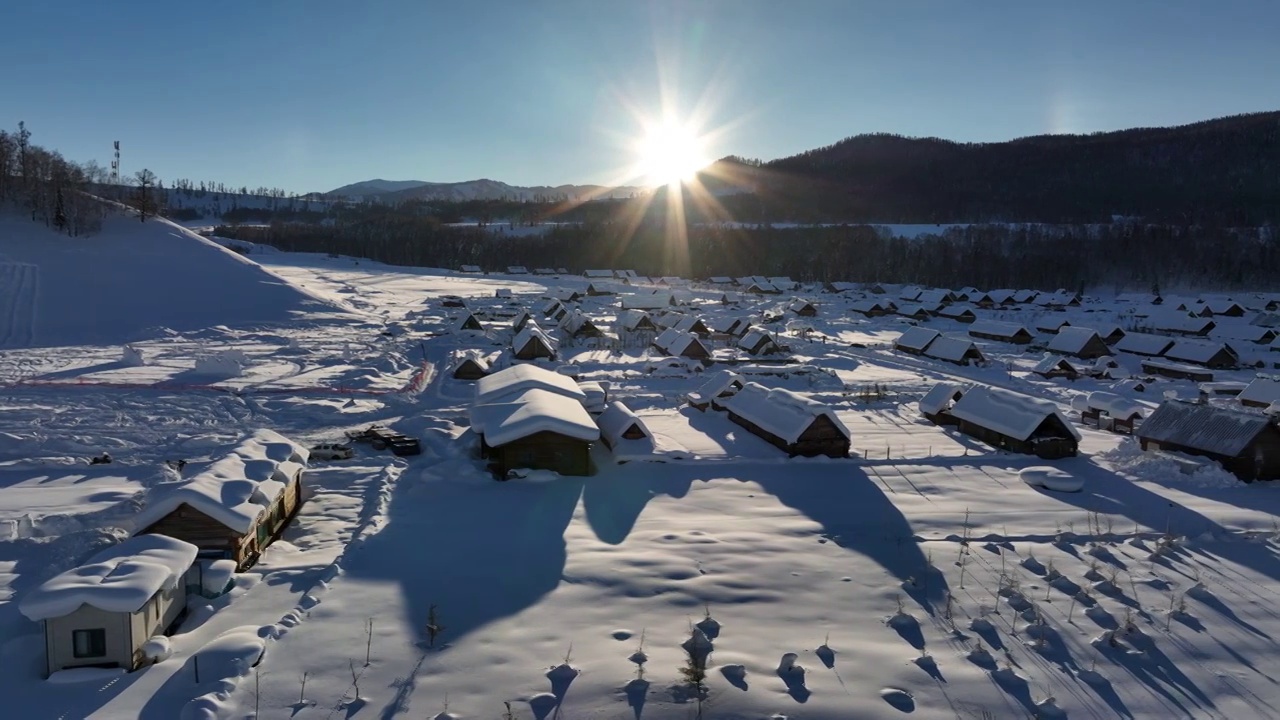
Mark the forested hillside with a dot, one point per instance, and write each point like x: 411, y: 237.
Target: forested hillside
x: 1224, y: 171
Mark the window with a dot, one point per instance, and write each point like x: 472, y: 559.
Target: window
x: 89, y: 643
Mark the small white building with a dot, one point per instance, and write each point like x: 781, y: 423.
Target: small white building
x: 101, y: 613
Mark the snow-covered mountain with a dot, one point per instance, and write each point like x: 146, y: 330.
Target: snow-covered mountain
x: 482, y: 189
x: 376, y: 186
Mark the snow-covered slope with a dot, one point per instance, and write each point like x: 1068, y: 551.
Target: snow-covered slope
x: 121, y: 284
x: 483, y: 189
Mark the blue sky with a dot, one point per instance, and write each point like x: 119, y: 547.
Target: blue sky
x: 311, y: 94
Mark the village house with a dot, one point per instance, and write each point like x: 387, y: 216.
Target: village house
x: 686, y: 323
x: 530, y: 417
x: 554, y: 310
x: 791, y: 422
x: 1056, y: 366
x: 469, y: 365
x: 101, y: 613
x: 1255, y: 334
x: 759, y: 341
x: 715, y: 387
x: 1109, y: 411
x: 958, y: 350
x: 597, y: 274
x: 1262, y: 392
x: 730, y: 298
x: 645, y: 301
x: 915, y: 312
x: 517, y: 270
x: 936, y: 404
x: 1178, y: 323
x: 915, y: 340
x: 467, y: 322
x: 681, y: 344
x: 958, y: 313
x: 803, y: 308
x: 470, y: 269
x: 577, y: 325
x: 235, y: 507
x: 535, y: 429
x: 1207, y: 354
x: 636, y: 321
x: 1016, y: 423
x: 1051, y: 324
x: 1246, y: 444
x: 1144, y: 344
x: 872, y: 308
x: 531, y: 343
x: 520, y: 320
x: 1081, y: 342
x: 1176, y: 370
x: 1001, y: 331
x: 625, y: 434
x: 596, y: 289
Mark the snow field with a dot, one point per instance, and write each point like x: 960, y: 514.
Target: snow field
x: 923, y: 577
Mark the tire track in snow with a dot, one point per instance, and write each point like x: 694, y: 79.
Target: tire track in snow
x: 19, y: 284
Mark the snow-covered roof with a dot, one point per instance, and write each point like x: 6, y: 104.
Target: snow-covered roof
x: 470, y: 355
x: 530, y: 412
x: 121, y: 578
x: 1052, y: 323
x: 714, y: 384
x: 529, y: 332
x: 939, y: 397
x: 754, y: 336
x: 866, y: 306
x: 1204, y: 427
x: 1263, y: 391
x: 575, y: 321
x: 934, y: 297
x: 1144, y: 343
x: 997, y: 328
x: 649, y: 301
x: 1117, y: 406
x: 235, y: 489
x: 629, y: 319
x: 1247, y: 333
x: 954, y: 311
x: 720, y: 279
x: 780, y: 412
x: 598, y: 273
x: 687, y: 323
x: 1194, y: 351
x: 676, y: 342
x: 1072, y: 339
x: 731, y: 297
x: 471, y: 269
x: 1175, y: 321
x: 462, y: 322
x: 518, y: 378
x: 1010, y: 414
x: 764, y: 287
x: 916, y: 338
x: 1053, y: 362
x: 616, y: 420
x: 946, y: 347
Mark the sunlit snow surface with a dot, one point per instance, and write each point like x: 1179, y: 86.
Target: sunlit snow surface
x: 837, y: 588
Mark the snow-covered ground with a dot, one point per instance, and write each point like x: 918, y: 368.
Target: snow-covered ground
x: 921, y: 577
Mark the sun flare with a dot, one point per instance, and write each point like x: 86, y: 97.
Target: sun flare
x: 669, y: 154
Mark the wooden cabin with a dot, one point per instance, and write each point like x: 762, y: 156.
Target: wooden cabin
x: 958, y: 350
x: 1056, y: 366
x: 791, y: 422
x: 1209, y: 354
x: 803, y: 308
x: 467, y: 322
x: 916, y: 340
x: 1262, y: 392
x: 681, y: 344
x: 536, y: 429
x: 470, y: 366
x: 531, y: 343
x: 1246, y: 444
x: 1109, y: 411
x: 1081, y: 342
x: 1002, y: 332
x: 237, y: 506
x: 758, y: 341
x: 1014, y: 422
x: 958, y: 313
x: 1177, y: 371
x: 717, y: 386
x: 937, y: 403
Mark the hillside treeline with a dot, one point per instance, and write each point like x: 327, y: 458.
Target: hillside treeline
x: 48, y: 187
x: 1039, y: 256
x: 1223, y: 172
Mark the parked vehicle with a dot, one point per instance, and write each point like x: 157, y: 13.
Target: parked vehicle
x: 332, y: 451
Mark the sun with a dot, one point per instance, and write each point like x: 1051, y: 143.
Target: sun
x: 670, y: 153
